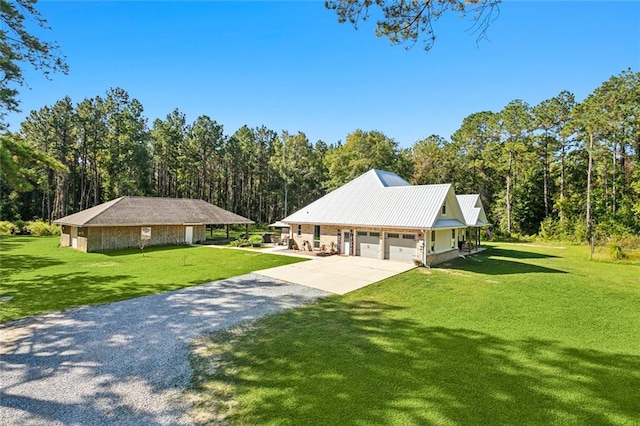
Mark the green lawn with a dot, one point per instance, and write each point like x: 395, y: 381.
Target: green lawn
x: 519, y: 334
x: 42, y: 277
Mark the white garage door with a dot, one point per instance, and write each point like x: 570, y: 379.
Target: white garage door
x: 400, y: 247
x: 368, y: 244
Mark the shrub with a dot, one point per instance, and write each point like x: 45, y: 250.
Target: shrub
x: 20, y: 225
x: 6, y: 227
x: 616, y: 252
x: 255, y: 240
x: 240, y: 242
x: 40, y: 228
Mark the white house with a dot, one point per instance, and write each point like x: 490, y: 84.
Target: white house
x: 382, y: 216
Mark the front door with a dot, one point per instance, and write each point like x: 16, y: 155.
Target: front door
x: 347, y: 243
x: 188, y: 234
x: 74, y: 237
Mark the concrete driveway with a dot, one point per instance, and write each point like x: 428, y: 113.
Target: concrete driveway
x: 337, y: 274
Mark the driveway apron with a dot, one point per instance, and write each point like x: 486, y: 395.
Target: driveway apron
x: 337, y: 274
x: 125, y: 362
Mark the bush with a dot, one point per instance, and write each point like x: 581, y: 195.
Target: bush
x: 255, y: 240
x: 20, y: 225
x: 616, y: 252
x: 6, y: 228
x: 40, y: 228
x: 240, y: 242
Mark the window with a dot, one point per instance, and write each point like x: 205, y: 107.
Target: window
x: 362, y: 234
x: 393, y: 235
x: 408, y: 237
x: 299, y: 230
x: 453, y: 238
x: 374, y: 234
x: 444, y: 208
x: 316, y: 236
x: 433, y: 241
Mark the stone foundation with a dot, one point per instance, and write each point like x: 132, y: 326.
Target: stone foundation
x: 437, y: 258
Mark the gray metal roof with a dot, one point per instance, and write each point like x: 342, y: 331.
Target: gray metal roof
x: 138, y: 211
x: 381, y: 199
x: 472, y: 209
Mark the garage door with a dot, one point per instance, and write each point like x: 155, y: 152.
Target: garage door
x: 400, y: 247
x: 368, y: 244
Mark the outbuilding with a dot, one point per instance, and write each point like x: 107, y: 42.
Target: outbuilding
x: 132, y: 221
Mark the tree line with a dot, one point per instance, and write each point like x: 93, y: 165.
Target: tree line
x: 563, y: 168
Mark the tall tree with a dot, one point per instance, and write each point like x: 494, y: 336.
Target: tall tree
x: 550, y: 116
x: 166, y: 139
x: 432, y: 162
x: 292, y: 160
x: 206, y: 136
x: 22, y: 169
x: 128, y: 163
x: 362, y: 151
x: 92, y: 134
x: 19, y: 47
x: 514, y: 124
x: 52, y: 130
x: 472, y: 144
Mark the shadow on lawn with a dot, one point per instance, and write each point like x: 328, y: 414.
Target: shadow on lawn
x: 498, y: 261
x: 517, y: 254
x: 352, y: 364
x: 119, y: 363
x: 11, y: 242
x: 59, y: 291
x: 14, y: 263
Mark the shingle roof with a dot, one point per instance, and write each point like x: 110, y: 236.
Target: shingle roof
x: 137, y: 211
x: 472, y: 209
x: 379, y: 199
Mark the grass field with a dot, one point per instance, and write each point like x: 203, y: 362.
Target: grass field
x: 42, y: 277
x: 519, y: 334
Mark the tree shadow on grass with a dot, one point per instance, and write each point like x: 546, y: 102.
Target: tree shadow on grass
x: 488, y: 264
x: 122, y: 363
x: 517, y: 254
x: 11, y: 242
x: 14, y: 263
x: 52, y: 292
x: 355, y: 364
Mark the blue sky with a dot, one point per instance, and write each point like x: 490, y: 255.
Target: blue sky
x: 291, y: 66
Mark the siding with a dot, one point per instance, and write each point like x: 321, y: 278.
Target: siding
x: 65, y: 236
x: 329, y: 234
x: 117, y: 237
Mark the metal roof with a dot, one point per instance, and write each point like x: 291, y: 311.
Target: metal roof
x: 134, y: 211
x: 381, y: 199
x: 279, y: 225
x: 472, y: 209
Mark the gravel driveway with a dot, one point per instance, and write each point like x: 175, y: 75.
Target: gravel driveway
x: 125, y: 362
